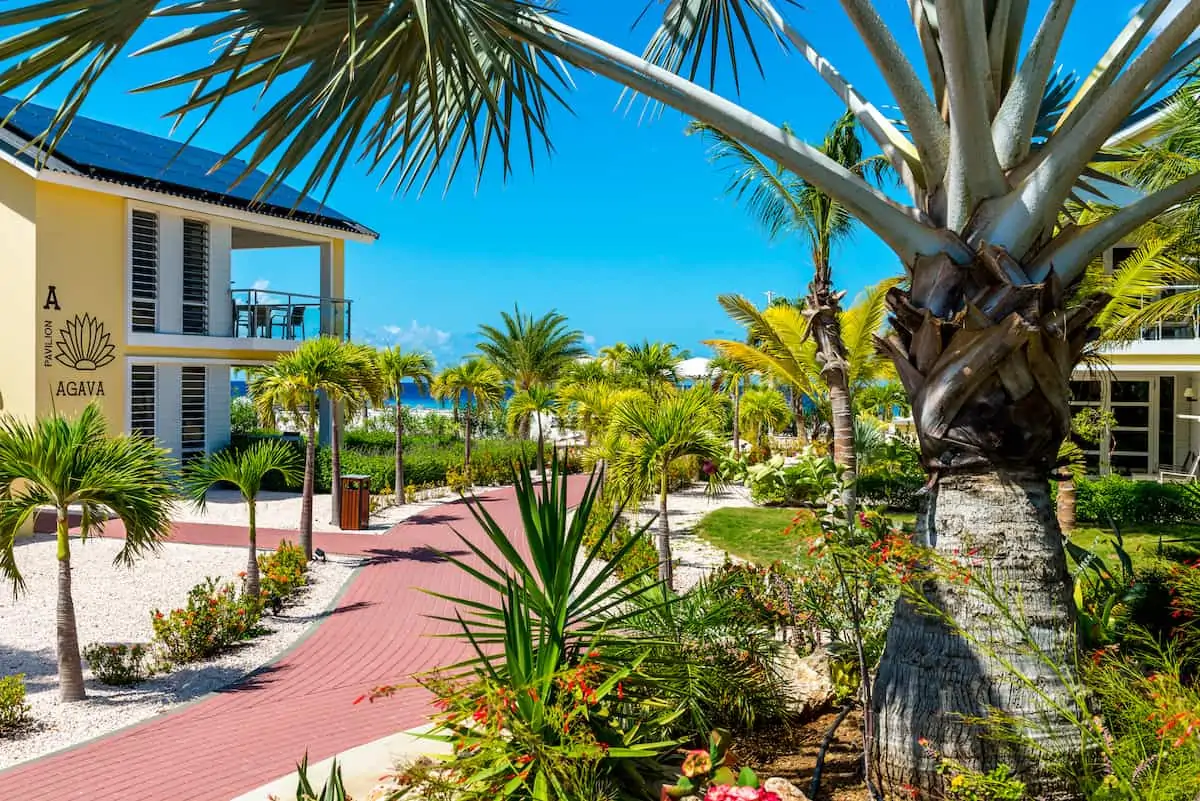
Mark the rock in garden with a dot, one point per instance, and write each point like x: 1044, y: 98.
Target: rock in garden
x: 807, y: 680
x: 784, y: 789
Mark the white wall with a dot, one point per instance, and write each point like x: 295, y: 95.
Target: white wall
x: 216, y: 426
x: 167, y: 423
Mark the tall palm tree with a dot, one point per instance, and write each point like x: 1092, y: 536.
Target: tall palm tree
x: 345, y: 401
x: 653, y: 366
x: 531, y: 351
x: 731, y: 376
x: 786, y: 205
x: 987, y: 167
x: 474, y: 386
x: 62, y: 462
x: 536, y: 403
x: 764, y: 410
x: 593, y: 402
x: 397, y: 366
x: 612, y: 355
x: 294, y: 383
x: 245, y: 470
x: 647, y: 436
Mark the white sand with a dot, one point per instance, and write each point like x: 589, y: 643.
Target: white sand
x: 281, y: 510
x: 113, y: 604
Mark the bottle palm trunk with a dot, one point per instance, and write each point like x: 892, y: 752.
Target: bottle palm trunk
x: 335, y: 463
x: 306, y: 492
x: 992, y: 407
x: 666, y: 570
x: 70, y: 667
x: 1065, y: 505
x: 399, y: 485
x: 253, y: 582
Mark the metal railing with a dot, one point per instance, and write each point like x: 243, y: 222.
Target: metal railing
x: 290, y: 316
x: 1186, y: 326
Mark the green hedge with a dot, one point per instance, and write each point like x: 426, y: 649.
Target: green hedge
x: 1122, y: 501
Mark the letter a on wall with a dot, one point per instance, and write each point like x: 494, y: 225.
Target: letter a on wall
x: 52, y: 299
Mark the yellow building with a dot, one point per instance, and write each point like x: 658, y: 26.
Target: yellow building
x: 1149, y: 385
x: 116, y: 279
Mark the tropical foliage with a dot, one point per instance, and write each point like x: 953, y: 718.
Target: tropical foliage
x: 529, y: 351
x: 474, y: 387
x: 396, y: 367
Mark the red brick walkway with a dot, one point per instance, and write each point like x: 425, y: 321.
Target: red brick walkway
x: 248, y: 734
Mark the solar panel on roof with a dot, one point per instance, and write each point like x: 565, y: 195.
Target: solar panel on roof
x: 99, y: 147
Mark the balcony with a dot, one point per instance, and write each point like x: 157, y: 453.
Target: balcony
x: 286, y: 316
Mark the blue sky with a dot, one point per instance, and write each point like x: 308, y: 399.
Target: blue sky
x: 625, y: 229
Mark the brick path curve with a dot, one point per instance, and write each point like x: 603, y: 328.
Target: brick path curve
x: 243, y: 736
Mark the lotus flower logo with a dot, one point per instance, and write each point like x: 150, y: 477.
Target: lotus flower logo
x: 83, y: 344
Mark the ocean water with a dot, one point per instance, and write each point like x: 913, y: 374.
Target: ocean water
x: 411, y: 396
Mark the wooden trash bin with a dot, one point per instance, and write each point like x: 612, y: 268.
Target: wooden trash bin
x: 356, y: 502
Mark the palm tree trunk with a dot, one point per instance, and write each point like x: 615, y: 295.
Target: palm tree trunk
x: 467, y: 441
x: 399, y: 451
x: 70, y: 667
x: 335, y: 462
x: 737, y: 429
x: 1065, y: 506
x: 541, y: 448
x: 666, y: 570
x: 824, y: 310
x: 253, y: 585
x: 843, y: 436
x: 306, y: 493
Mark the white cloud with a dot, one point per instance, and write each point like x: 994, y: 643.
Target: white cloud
x: 413, y: 336
x: 261, y: 284
x: 589, y: 340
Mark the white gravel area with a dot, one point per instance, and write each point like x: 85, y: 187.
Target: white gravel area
x: 113, y: 604
x: 281, y: 510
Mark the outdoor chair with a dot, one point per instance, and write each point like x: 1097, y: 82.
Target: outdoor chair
x: 1180, y: 473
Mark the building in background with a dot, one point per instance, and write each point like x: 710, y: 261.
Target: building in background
x: 116, y: 284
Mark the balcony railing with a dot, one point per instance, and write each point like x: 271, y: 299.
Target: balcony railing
x: 1186, y: 326
x: 288, y: 316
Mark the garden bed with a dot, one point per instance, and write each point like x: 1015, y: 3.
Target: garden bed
x: 114, y: 604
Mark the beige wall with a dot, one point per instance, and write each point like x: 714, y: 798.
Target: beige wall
x: 18, y: 324
x: 81, y: 243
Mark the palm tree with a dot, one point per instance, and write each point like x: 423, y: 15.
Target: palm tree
x: 786, y: 205
x: 611, y: 356
x: 730, y: 376
x: 592, y: 404
x: 536, y: 402
x: 652, y: 365
x: 396, y: 367
x: 531, y: 352
x: 344, y: 401
x: 294, y: 383
x: 63, y: 462
x: 245, y: 470
x: 473, y: 386
x: 648, y: 435
x: 988, y: 169
x: 764, y: 410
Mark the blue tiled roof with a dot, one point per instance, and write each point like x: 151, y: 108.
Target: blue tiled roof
x: 121, y: 155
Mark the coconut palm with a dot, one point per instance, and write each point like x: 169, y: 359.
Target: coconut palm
x: 64, y: 462
x: 730, y: 376
x: 984, y: 340
x: 397, y: 366
x: 531, y: 351
x: 647, y: 435
x: 763, y: 410
x: 475, y: 386
x: 536, y: 403
x: 245, y: 470
x: 294, y: 383
x: 652, y: 366
x: 785, y: 206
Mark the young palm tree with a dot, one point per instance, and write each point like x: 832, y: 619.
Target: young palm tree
x: 786, y: 205
x: 731, y: 376
x: 62, y: 462
x: 536, y: 402
x: 984, y: 339
x: 396, y: 367
x: 245, y: 471
x: 344, y: 401
x: 294, y: 383
x: 648, y: 435
x: 652, y: 366
x: 531, y: 352
x: 474, y: 386
x: 592, y: 403
x: 764, y: 410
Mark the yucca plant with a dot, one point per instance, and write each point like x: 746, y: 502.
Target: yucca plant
x: 985, y: 340
x: 64, y: 462
x: 245, y: 471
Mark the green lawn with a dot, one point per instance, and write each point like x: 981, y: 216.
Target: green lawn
x: 757, y: 534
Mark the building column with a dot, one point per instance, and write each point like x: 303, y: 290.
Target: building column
x: 333, y: 316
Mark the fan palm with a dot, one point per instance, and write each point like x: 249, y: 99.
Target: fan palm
x: 652, y: 366
x: 730, y: 376
x: 62, y: 462
x: 535, y: 403
x: 396, y: 367
x: 246, y: 471
x: 294, y: 383
x: 647, y: 435
x: 786, y: 205
x: 474, y: 386
x: 762, y: 411
x: 990, y: 257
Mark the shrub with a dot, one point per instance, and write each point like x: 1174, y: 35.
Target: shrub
x: 215, y: 618
x: 14, y: 711
x: 806, y: 482
x: 119, y: 664
x: 282, y: 572
x: 429, y: 463
x: 458, y: 479
x: 1118, y: 500
x: 640, y: 555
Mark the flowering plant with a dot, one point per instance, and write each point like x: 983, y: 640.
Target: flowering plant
x: 215, y: 617
x: 282, y: 572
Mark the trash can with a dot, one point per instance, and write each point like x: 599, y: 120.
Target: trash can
x: 356, y: 502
